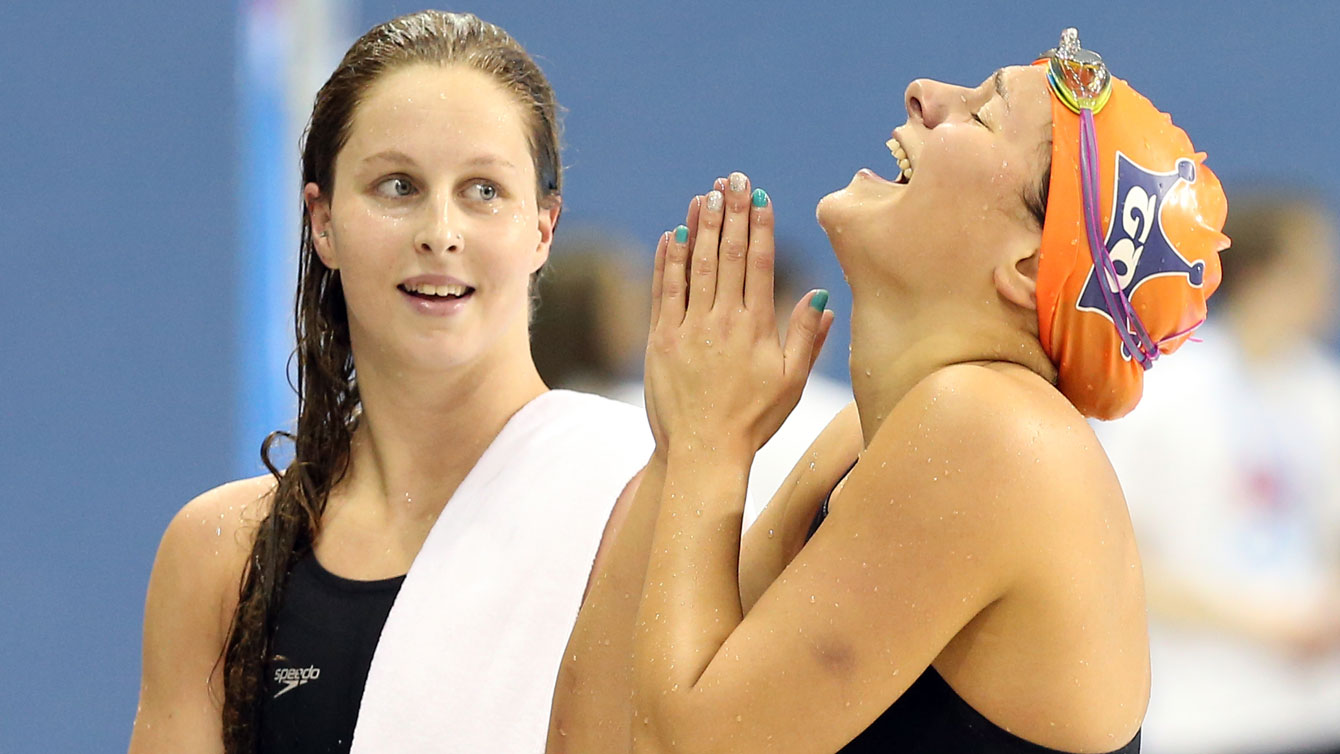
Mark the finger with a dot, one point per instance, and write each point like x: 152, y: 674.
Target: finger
x: 691, y: 218
x: 657, y: 275
x: 735, y: 239
x: 825, y: 326
x: 703, y: 275
x: 798, y: 350
x: 674, y: 283
x: 691, y: 221
x: 760, y: 260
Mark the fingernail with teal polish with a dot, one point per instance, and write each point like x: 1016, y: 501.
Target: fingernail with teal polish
x: 760, y: 198
x: 682, y: 234
x: 819, y: 300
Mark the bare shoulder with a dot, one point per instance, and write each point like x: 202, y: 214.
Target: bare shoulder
x: 216, y: 529
x: 205, y: 548
x: 1016, y: 427
x: 996, y: 446
x: 192, y: 594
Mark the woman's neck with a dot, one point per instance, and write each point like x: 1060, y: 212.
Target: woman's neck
x: 894, y: 346
x: 421, y: 432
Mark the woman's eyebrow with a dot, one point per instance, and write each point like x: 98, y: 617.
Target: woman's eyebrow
x: 999, y: 80
x: 395, y: 155
x: 390, y: 155
x: 487, y: 160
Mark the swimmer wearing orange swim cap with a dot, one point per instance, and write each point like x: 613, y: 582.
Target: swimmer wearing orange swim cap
x: 1130, y: 246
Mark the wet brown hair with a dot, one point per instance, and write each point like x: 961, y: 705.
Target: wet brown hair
x: 328, y: 400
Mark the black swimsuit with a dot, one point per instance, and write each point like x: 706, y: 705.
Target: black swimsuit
x: 325, y: 634
x: 931, y: 718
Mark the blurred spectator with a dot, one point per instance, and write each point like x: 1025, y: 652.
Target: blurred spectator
x: 590, y: 333
x: 590, y: 329
x: 1231, y: 466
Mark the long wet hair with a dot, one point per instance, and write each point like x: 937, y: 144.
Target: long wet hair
x: 328, y: 400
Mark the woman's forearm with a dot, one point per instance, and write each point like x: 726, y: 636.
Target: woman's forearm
x: 592, y: 709
x: 691, y: 598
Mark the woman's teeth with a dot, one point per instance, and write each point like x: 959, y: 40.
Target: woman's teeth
x: 904, y: 164
x: 426, y: 289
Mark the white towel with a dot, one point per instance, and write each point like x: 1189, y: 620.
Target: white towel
x: 470, y: 652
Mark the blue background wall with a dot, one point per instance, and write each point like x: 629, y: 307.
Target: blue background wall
x: 121, y: 197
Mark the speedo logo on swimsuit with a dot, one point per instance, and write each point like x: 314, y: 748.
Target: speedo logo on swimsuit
x: 292, y: 678
x: 1135, y: 238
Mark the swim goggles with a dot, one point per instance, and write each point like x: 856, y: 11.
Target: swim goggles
x: 1080, y: 81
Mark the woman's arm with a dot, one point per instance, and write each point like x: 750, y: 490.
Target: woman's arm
x: 715, y: 323
x: 192, y: 592
x: 779, y: 531
x: 592, y: 698
x: 864, y: 607
x: 592, y: 706
x: 905, y: 560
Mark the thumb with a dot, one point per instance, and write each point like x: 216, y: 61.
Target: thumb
x: 803, y: 335
x: 825, y: 326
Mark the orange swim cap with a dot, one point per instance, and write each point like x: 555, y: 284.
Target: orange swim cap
x: 1159, y: 213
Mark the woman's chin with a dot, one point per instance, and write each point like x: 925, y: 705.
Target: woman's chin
x: 832, y: 211
x: 843, y: 213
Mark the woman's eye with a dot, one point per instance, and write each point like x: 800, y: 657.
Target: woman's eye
x: 396, y: 187
x: 978, y: 118
x: 485, y: 191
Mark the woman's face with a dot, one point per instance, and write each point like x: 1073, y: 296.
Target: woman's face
x: 974, y: 153
x: 433, y: 222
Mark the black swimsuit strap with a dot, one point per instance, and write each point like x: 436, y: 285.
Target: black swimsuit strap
x: 823, y: 509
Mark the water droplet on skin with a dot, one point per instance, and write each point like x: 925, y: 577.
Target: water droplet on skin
x: 811, y: 599
x: 770, y: 533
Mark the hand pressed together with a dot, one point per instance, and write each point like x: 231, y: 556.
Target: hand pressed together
x: 716, y: 372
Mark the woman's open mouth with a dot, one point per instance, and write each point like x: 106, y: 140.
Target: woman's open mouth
x: 437, y: 298
x: 429, y: 292
x: 904, y: 162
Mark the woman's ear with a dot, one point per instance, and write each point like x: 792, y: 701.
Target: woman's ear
x: 1017, y: 279
x: 318, y: 213
x: 547, y: 221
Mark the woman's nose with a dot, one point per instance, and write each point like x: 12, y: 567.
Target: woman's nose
x: 932, y: 102
x: 439, y: 230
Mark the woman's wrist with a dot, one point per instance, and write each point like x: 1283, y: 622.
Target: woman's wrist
x: 722, y: 449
